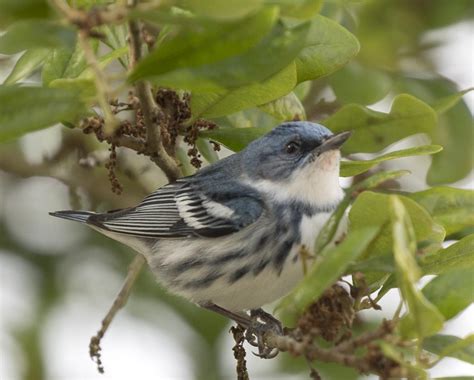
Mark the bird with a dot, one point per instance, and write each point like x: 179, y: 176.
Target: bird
x: 229, y: 237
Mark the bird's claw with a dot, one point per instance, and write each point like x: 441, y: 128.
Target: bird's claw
x: 262, y: 323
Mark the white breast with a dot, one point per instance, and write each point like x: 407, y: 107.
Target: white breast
x: 316, y: 184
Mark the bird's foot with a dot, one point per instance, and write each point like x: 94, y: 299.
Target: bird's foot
x: 261, y: 323
x: 257, y: 325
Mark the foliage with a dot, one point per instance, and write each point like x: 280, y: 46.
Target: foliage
x: 158, y: 74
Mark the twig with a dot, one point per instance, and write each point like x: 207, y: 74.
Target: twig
x: 119, y: 302
x: 101, y: 85
x: 151, y: 112
x: 383, y: 330
x: 343, y: 353
x: 134, y: 143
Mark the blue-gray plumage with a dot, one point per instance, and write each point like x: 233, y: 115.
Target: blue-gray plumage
x: 231, y: 234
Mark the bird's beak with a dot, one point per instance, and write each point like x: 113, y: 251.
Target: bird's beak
x: 332, y: 143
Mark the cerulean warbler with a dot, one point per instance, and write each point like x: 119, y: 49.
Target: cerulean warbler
x: 229, y: 237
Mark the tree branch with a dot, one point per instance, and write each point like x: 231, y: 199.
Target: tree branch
x: 102, y: 88
x: 343, y: 353
x: 119, y: 302
x: 152, y: 114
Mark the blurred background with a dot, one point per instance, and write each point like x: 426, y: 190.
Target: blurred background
x: 58, y: 278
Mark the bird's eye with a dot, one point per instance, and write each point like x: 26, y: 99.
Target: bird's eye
x: 292, y: 147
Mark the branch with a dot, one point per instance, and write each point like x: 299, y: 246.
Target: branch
x: 151, y: 112
x: 119, y: 302
x: 102, y: 88
x: 101, y: 85
x: 343, y: 353
x: 130, y: 142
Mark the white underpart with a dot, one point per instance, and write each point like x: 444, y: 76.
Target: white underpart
x: 316, y: 184
x: 133, y: 242
x: 251, y: 291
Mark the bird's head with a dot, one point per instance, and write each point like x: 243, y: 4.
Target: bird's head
x: 295, y: 155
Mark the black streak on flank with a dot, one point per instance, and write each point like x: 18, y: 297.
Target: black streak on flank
x: 187, y: 264
x: 260, y: 267
x: 203, y: 282
x: 230, y: 256
x: 262, y: 242
x: 239, y: 273
x: 282, y: 254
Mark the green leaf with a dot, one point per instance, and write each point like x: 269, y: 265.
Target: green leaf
x: 84, y: 82
x: 446, y: 103
x: 116, y: 38
x: 65, y: 62
x: 455, y: 129
x: 457, y: 256
x: 452, y: 346
x: 351, y: 168
x: 422, y: 319
x: 452, y: 208
x: 355, y: 83
x: 14, y: 10
x: 216, y: 104
x: 282, y: 45
x: 83, y: 87
x: 25, y: 109
x: 207, y: 150
x: 286, y: 108
x: 384, y: 264
x: 374, y: 209
x: 327, y: 269
x: 253, y: 117
x: 197, y: 46
x: 404, y: 241
x: 328, y: 47
x: 301, y: 9
x: 33, y: 34
x: 374, y: 130
x: 222, y: 10
x: 235, y: 139
x: 328, y: 232
x: 451, y: 292
x: 27, y: 64
x: 172, y: 16
x: 302, y: 90
x: 185, y: 165
x: 379, y: 178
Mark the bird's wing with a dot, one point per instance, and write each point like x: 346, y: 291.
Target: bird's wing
x: 181, y: 209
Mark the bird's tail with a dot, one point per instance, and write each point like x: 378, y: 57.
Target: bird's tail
x: 77, y: 216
